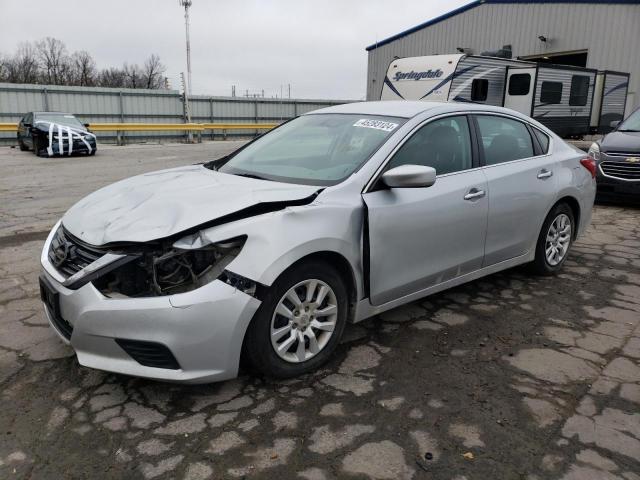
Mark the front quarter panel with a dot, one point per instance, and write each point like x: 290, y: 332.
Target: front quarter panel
x: 277, y: 240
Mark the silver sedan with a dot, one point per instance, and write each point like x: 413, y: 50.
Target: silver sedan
x: 333, y: 217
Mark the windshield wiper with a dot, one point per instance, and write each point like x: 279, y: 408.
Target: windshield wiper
x: 252, y: 175
x: 628, y: 130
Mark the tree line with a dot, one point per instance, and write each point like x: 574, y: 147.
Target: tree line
x: 48, y: 61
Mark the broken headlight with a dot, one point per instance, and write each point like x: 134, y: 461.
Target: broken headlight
x: 170, y: 270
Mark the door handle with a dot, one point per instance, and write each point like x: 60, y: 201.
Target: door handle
x: 474, y: 193
x: 544, y: 173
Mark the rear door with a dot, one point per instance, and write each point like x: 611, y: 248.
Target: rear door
x: 519, y: 89
x: 522, y: 185
x: 420, y: 237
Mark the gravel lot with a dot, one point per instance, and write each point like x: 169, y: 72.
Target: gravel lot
x: 508, y: 377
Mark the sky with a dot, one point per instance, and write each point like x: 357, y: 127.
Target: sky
x: 318, y: 47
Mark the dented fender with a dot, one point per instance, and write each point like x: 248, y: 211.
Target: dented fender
x: 277, y: 240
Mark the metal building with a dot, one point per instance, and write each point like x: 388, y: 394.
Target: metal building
x: 603, y: 35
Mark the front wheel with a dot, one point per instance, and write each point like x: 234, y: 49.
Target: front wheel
x: 554, y: 241
x: 300, y: 321
x: 37, y: 147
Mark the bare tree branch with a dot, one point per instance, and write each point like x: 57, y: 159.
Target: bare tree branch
x: 48, y: 61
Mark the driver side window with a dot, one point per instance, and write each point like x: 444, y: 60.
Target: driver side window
x: 443, y: 144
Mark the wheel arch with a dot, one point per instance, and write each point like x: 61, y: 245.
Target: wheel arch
x: 574, y: 205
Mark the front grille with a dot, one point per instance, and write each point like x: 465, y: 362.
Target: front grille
x: 149, y: 354
x: 68, y: 255
x: 622, y: 170
x: 620, y: 154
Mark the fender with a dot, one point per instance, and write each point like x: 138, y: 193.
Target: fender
x: 277, y: 240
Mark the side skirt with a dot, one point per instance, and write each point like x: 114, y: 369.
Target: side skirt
x: 364, y: 308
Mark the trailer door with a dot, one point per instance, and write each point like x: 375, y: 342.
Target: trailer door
x: 519, y: 89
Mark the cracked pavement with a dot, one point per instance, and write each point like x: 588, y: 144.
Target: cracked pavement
x: 509, y: 377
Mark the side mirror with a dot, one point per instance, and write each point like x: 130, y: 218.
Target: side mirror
x: 27, y: 125
x: 409, y: 176
x: 614, y: 123
x: 86, y: 125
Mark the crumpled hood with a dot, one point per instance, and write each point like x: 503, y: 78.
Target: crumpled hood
x: 160, y: 204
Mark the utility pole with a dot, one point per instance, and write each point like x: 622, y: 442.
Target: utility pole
x: 187, y: 85
x: 187, y: 4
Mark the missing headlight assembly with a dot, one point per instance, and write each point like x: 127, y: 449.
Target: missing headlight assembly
x: 167, y: 270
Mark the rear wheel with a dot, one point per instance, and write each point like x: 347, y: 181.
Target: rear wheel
x: 300, y: 321
x: 22, y: 145
x: 554, y: 241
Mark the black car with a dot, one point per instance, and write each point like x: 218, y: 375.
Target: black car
x: 55, y: 133
x: 618, y: 158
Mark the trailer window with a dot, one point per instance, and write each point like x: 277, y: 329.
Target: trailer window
x: 519, y: 84
x: 551, y: 92
x: 579, y: 90
x: 479, y: 89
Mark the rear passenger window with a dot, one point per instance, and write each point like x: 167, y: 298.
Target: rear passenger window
x: 479, y: 89
x: 543, y: 140
x: 442, y: 144
x: 519, y: 84
x: 579, y: 90
x: 551, y: 92
x: 504, y: 139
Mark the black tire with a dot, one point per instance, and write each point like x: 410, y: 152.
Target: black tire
x: 22, y: 146
x: 36, y: 146
x: 541, y: 265
x: 258, y: 351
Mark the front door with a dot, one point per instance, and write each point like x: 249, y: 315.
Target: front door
x: 519, y: 94
x: 420, y: 237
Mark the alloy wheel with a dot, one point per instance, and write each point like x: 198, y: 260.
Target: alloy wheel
x: 304, y: 321
x: 558, y: 240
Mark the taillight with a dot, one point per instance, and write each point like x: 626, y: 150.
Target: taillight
x: 590, y: 164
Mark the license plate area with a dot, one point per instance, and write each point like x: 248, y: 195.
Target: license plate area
x: 50, y: 297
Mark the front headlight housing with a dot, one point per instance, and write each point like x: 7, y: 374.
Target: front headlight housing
x: 594, y: 151
x: 170, y: 270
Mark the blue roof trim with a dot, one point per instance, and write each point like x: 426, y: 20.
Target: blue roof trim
x: 476, y: 3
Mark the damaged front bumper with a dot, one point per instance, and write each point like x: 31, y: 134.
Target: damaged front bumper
x: 62, y: 148
x: 193, y: 337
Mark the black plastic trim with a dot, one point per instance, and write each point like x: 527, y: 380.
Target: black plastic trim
x: 149, y: 354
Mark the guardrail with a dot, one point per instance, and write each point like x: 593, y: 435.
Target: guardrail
x: 119, y: 128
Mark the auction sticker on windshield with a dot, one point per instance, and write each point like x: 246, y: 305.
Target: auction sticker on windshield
x: 377, y: 124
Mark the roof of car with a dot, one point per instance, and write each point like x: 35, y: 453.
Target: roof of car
x: 49, y: 113
x: 401, y: 108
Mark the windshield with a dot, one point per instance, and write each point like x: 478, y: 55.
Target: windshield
x: 321, y: 149
x: 632, y: 123
x: 60, y: 118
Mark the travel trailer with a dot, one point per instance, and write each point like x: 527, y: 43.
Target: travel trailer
x: 609, y: 100
x: 558, y: 96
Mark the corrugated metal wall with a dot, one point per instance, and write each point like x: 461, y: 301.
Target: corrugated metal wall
x: 145, y: 106
x: 610, y: 33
